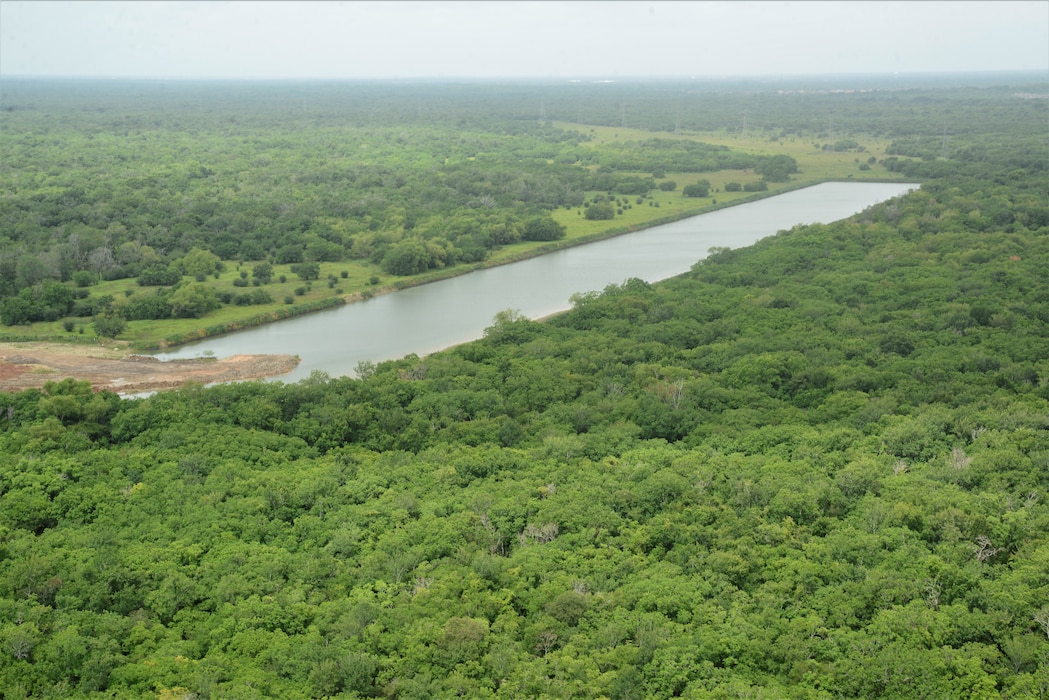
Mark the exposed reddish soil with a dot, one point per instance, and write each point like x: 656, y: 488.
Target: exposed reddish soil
x: 31, y: 365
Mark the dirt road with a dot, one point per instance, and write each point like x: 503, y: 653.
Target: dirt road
x: 31, y: 365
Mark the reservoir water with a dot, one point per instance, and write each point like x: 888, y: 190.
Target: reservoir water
x: 435, y: 316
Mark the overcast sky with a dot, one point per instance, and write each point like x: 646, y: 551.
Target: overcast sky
x: 517, y: 39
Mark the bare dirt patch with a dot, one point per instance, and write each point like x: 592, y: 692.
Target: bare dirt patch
x: 31, y: 365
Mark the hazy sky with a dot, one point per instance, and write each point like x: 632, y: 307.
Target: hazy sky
x: 517, y: 39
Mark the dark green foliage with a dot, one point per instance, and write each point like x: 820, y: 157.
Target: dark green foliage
x: 777, y: 168
x: 307, y: 270
x: 697, y: 189
x: 641, y: 479
x: 408, y: 257
x: 159, y: 275
x: 147, y: 306
x: 109, y: 324
x: 200, y: 264
x: 47, y: 300
x: 542, y: 228
x: 814, y: 467
x: 84, y: 278
x: 289, y: 254
x: 599, y: 211
x: 192, y: 301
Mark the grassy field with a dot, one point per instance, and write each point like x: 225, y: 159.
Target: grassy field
x: 814, y: 164
x: 356, y: 280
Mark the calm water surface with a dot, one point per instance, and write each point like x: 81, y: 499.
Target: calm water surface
x: 431, y: 317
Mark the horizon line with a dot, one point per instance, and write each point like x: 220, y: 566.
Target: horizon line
x: 577, y: 78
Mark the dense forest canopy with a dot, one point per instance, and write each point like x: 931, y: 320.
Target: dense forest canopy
x: 817, y: 467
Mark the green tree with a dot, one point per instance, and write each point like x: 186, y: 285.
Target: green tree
x: 319, y: 249
x: 84, y: 278
x: 193, y: 301
x: 31, y: 270
x: 697, y: 189
x: 307, y: 270
x: 407, y: 257
x: 200, y: 264
x: 600, y: 211
x: 251, y: 250
x: 159, y: 275
x: 109, y: 324
x: 290, y: 253
x: 542, y: 228
x: 777, y: 168
x: 147, y: 306
x: 263, y: 272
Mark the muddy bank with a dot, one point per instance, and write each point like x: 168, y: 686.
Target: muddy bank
x: 31, y: 365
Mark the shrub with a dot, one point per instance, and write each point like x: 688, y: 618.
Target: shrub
x: 542, y: 228
x: 262, y: 272
x: 159, y: 276
x: 407, y: 257
x: 84, y: 278
x: 600, y: 211
x: 109, y: 325
x: 261, y: 296
x: 307, y: 270
x: 698, y: 189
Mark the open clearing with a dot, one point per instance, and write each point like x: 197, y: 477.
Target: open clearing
x: 31, y: 365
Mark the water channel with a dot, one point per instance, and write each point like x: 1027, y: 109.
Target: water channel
x: 435, y: 316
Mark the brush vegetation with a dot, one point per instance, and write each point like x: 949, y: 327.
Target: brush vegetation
x: 107, y: 188
x: 816, y: 467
